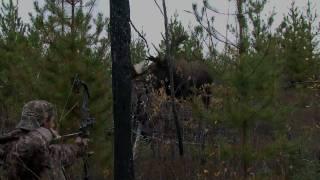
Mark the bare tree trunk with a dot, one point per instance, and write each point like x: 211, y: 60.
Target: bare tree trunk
x: 202, y: 140
x: 4, y: 117
x: 73, y: 4
x: 169, y: 58
x: 242, y: 50
x: 2, y: 120
x: 243, y: 148
x: 72, y: 23
x: 137, y: 141
x: 121, y: 88
x: 62, y: 7
x: 241, y: 22
x: 226, y: 46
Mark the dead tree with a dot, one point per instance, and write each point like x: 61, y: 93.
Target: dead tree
x: 172, y: 91
x: 121, y: 88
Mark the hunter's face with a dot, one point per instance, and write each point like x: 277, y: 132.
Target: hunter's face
x: 50, y: 123
x: 53, y: 122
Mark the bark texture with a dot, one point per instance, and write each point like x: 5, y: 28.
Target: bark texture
x: 121, y: 88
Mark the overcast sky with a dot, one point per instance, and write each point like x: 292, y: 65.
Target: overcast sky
x: 146, y: 16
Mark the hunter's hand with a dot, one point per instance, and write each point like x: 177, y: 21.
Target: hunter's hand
x: 55, y: 134
x: 82, y: 141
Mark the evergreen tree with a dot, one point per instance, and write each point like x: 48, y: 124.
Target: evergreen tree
x: 16, y: 53
x: 297, y: 46
x: 183, y: 44
x: 249, y: 89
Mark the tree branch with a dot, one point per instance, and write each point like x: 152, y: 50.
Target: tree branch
x: 208, y: 30
x: 155, y: 1
x: 141, y: 36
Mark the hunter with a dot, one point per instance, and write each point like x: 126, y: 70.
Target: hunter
x: 30, y: 154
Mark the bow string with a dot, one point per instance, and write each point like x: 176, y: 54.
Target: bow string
x: 86, y: 122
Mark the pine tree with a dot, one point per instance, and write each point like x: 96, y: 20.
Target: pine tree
x: 184, y: 44
x: 16, y: 53
x: 250, y: 88
x: 298, y: 47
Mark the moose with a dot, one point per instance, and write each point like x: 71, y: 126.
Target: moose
x: 189, y: 77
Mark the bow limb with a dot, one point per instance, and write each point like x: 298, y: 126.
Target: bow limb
x: 87, y: 120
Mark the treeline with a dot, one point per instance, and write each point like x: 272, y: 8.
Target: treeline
x: 263, y: 120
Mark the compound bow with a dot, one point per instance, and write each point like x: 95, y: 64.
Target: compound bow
x: 87, y: 120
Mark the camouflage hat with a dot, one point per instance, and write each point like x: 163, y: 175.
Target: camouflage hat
x: 34, y: 113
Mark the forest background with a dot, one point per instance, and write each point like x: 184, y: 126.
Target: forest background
x: 263, y: 120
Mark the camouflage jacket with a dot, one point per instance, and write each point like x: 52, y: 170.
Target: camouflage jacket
x: 32, y: 157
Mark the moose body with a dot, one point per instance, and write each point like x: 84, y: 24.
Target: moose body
x: 188, y: 77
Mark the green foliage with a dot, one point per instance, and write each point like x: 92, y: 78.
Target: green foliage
x: 249, y: 91
x: 12, y: 27
x: 298, y: 45
x: 182, y: 43
x: 261, y: 31
x: 138, y: 50
x: 15, y: 53
x: 251, y: 97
